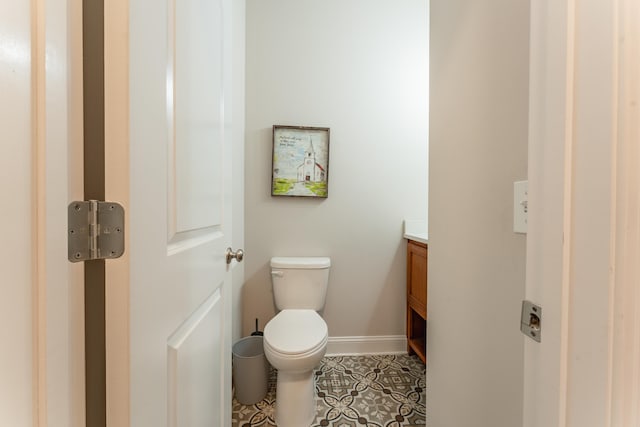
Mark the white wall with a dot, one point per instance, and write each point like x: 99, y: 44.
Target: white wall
x: 478, y: 147
x: 359, y: 67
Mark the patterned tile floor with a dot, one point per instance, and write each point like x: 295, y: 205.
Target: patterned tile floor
x: 372, y: 391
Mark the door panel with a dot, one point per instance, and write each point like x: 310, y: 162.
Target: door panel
x: 176, y: 344
x: 195, y: 362
x: 196, y: 46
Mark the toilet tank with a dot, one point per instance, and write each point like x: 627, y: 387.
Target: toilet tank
x: 300, y: 282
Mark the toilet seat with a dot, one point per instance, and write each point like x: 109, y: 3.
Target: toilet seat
x: 296, y: 332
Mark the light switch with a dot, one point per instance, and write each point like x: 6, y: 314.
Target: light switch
x: 520, y: 206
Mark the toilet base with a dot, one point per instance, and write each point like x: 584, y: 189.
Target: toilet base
x: 295, y: 399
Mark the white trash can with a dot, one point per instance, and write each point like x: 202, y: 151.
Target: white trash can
x: 250, y: 370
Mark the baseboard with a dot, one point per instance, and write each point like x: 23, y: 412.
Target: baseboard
x: 382, y: 344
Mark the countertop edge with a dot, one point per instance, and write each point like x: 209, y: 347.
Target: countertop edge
x: 417, y: 237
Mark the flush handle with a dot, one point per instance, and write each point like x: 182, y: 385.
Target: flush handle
x: 276, y: 273
x: 237, y: 255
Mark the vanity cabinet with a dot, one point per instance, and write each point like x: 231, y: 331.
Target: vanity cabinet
x: 417, y: 298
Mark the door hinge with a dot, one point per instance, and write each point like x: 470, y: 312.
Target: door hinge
x: 96, y: 230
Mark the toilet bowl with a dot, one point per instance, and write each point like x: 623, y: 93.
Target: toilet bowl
x: 294, y: 343
x: 295, y: 340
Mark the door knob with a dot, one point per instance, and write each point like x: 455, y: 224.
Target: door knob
x: 237, y: 255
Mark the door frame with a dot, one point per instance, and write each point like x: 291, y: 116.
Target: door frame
x: 624, y: 321
x: 583, y: 241
x: 116, y: 53
x: 58, y: 294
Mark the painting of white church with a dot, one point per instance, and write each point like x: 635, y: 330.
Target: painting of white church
x: 300, y: 161
x: 310, y: 169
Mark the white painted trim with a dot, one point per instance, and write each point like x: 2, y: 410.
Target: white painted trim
x: 116, y: 80
x: 568, y: 205
x: 548, y: 240
x: 58, y: 299
x: 381, y: 344
x: 39, y: 123
x: 585, y: 54
x: 624, y: 317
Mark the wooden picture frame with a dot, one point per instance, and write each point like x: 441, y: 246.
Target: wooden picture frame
x: 300, y: 161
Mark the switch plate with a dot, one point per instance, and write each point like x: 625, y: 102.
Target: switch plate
x: 520, y: 206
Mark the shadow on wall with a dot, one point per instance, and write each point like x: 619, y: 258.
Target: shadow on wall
x: 391, y: 288
x: 257, y: 300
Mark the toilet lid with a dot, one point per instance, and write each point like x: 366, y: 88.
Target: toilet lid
x: 295, y: 331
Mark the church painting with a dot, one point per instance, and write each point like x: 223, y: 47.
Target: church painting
x: 300, y: 161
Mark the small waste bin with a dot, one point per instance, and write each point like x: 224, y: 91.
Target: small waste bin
x: 250, y: 370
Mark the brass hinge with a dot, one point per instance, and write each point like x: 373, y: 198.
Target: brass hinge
x: 96, y: 230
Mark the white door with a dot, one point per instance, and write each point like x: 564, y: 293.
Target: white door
x: 169, y: 157
x: 41, y: 356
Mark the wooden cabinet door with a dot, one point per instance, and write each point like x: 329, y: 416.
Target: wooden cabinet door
x: 417, y: 277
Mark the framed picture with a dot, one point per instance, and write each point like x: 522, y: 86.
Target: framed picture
x: 300, y: 161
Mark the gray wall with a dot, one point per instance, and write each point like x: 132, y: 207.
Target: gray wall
x: 359, y: 67
x: 478, y: 147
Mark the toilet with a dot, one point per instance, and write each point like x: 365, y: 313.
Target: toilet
x: 295, y: 340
